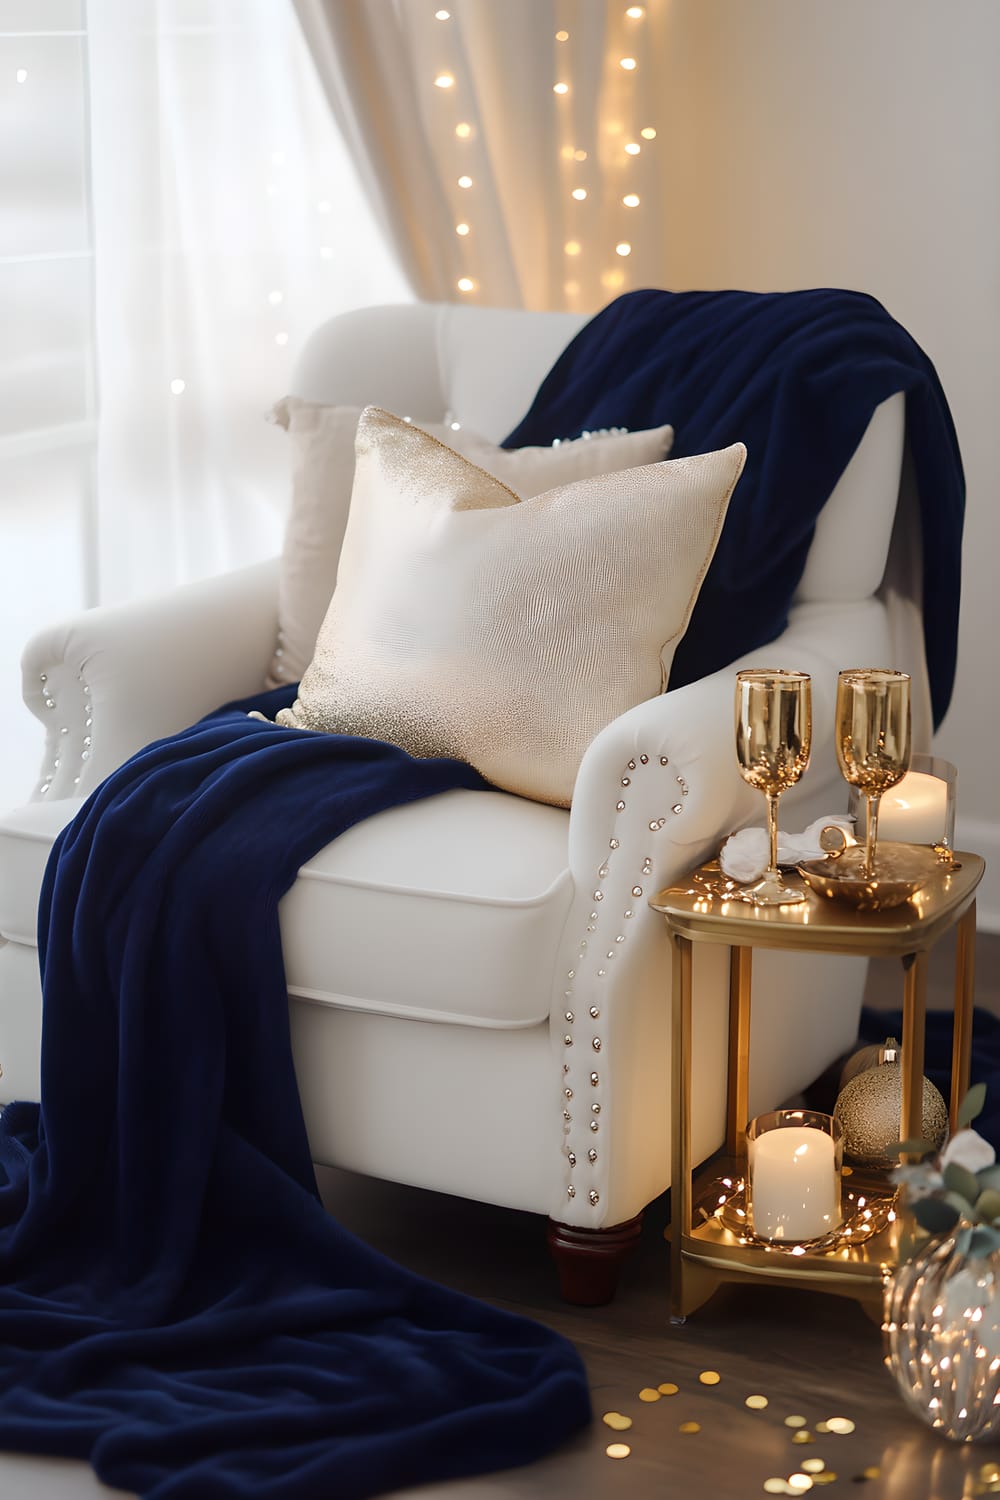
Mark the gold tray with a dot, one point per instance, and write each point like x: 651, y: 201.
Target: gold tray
x: 900, y: 870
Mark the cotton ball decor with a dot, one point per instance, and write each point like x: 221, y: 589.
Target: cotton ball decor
x: 869, y: 1103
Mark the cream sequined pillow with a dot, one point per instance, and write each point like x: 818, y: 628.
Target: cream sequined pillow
x: 507, y: 633
x: 322, y: 475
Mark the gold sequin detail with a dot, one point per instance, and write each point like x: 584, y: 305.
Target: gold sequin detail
x: 667, y: 1388
x: 649, y: 1394
x: 688, y: 1427
x: 756, y: 1403
x: 616, y: 1421
x: 618, y: 1450
x: 795, y: 1421
x: 710, y: 1377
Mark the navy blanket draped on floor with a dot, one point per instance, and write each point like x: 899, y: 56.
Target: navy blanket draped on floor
x: 176, y: 1305
x: 795, y: 376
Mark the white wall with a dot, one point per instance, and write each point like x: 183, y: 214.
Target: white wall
x: 856, y: 143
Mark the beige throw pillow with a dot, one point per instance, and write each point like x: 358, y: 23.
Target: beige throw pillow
x: 322, y: 475
x: 507, y: 633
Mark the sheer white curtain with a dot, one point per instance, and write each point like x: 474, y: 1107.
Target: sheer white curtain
x: 179, y: 211
x: 510, y: 148
x: 228, y: 220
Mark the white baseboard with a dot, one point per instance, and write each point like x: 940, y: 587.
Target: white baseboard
x: 982, y: 837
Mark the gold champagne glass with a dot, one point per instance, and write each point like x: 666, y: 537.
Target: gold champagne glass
x: 773, y: 737
x: 873, y: 739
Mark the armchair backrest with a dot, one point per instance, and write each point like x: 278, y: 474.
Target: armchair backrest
x: 481, y: 366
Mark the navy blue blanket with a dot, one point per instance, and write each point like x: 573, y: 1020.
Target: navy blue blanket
x: 175, y: 1304
x: 795, y: 376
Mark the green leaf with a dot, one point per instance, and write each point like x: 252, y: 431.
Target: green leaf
x: 988, y: 1205
x: 989, y: 1177
x: 935, y: 1215
x: 972, y: 1104
x: 984, y: 1240
x: 914, y: 1147
x: 960, y: 1180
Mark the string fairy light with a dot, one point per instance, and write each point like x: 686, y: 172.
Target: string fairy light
x: 21, y: 76
x: 622, y: 140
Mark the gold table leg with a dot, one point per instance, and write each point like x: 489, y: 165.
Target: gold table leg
x: 965, y: 975
x: 914, y: 1024
x: 738, y: 1088
x: 680, y: 1111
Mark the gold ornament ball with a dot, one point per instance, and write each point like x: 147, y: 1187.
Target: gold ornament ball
x: 868, y: 1110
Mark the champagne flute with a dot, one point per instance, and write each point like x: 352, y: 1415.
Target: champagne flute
x: 773, y: 737
x: 873, y: 739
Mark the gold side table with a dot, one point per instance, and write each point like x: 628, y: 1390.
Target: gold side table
x: 707, y: 1247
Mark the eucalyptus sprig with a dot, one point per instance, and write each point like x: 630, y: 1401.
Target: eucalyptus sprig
x: 961, y: 1184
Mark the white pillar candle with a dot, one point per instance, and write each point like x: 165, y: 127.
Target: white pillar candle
x: 915, y: 810
x: 794, y: 1184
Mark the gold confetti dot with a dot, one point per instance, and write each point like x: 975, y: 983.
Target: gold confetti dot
x: 709, y: 1377
x: 667, y: 1388
x: 795, y: 1421
x: 776, y: 1486
x: 872, y: 1472
x: 827, y: 1477
x: 756, y: 1403
x: 803, y: 1437
x: 616, y: 1421
x: 649, y: 1394
x: 839, y: 1425
x: 989, y: 1473
x: 822, y: 1427
x: 812, y: 1465
x: 689, y: 1427
x: 618, y: 1450
x: 799, y: 1483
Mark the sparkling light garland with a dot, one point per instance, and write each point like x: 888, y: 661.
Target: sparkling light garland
x: 629, y: 140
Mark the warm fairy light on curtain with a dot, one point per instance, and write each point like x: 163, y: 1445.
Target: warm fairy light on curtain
x: 589, y: 245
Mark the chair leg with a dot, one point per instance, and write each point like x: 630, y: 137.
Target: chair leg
x: 589, y: 1261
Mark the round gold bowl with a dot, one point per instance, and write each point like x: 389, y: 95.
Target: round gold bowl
x: 900, y: 870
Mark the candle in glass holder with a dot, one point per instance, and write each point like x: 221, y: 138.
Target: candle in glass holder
x: 919, y: 809
x: 794, y: 1175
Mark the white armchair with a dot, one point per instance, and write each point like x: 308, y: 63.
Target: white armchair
x: 478, y: 990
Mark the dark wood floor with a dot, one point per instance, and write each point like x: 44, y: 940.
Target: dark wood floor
x: 811, y: 1355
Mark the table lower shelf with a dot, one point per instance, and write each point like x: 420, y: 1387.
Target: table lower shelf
x: 718, y: 1245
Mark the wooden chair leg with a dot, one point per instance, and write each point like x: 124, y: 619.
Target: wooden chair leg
x: 589, y: 1261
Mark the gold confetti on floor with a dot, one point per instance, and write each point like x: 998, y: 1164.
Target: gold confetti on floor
x: 822, y: 1427
x: 827, y: 1477
x: 667, y: 1388
x: 649, y: 1393
x: 812, y: 1465
x: 689, y: 1427
x: 776, y: 1486
x: 756, y: 1403
x: 795, y: 1421
x: 989, y: 1473
x: 872, y: 1472
x: 709, y: 1377
x: 616, y: 1421
x: 840, y: 1425
x: 802, y: 1436
x: 618, y: 1450
x: 799, y: 1483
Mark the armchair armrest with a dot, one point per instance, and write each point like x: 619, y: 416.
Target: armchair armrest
x: 688, y: 736
x: 108, y: 681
